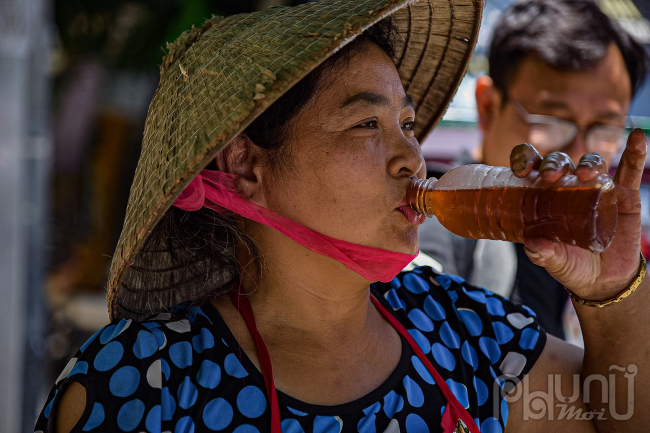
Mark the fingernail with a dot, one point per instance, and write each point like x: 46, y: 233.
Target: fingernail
x: 588, y: 164
x: 518, y: 165
x: 533, y: 254
x: 550, y: 166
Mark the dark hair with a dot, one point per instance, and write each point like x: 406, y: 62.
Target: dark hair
x: 567, y: 35
x: 191, y: 255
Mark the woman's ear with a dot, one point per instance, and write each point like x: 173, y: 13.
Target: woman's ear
x: 244, y: 159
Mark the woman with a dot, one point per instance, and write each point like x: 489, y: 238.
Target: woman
x: 287, y: 249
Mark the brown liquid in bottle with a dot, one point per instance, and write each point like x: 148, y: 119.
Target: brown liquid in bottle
x: 479, y: 201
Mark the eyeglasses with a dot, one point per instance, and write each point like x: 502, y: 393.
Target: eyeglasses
x: 549, y: 133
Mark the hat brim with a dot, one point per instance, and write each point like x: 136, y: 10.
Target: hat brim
x: 218, y: 78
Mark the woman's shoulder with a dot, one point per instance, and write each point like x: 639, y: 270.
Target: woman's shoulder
x: 131, y: 367
x: 125, y: 338
x: 423, y: 284
x: 450, y: 318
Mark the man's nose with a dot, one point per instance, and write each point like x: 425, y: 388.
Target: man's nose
x: 576, y: 148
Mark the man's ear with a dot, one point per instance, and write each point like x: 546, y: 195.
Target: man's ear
x: 488, y: 102
x: 244, y: 159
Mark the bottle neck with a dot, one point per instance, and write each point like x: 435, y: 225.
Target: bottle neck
x: 417, y: 193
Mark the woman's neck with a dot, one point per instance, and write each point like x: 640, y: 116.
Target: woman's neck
x: 304, y: 293
x: 327, y: 342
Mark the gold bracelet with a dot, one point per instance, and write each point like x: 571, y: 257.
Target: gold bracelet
x: 618, y: 298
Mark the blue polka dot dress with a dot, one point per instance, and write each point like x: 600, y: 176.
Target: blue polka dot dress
x: 183, y: 371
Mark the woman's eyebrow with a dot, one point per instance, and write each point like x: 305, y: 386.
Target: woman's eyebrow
x: 375, y: 99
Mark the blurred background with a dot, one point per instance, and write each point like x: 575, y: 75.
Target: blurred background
x: 76, y: 79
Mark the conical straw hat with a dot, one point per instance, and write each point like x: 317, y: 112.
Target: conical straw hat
x: 219, y: 77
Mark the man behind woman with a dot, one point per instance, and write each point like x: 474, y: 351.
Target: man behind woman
x: 562, y: 76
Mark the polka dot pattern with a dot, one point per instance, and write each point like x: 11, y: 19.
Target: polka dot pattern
x: 233, y: 367
x: 368, y: 422
x: 291, y: 425
x: 443, y: 356
x: 528, y: 338
x: 296, y: 412
x: 187, y: 394
x: 153, y: 421
x: 394, y: 300
x: 246, y: 428
x: 109, y: 356
x: 415, y: 284
x: 434, y: 309
x: 476, y: 295
x: 393, y: 403
x: 209, y: 374
x: 251, y: 402
x: 449, y: 337
x: 203, y: 341
x: 154, y: 374
x: 168, y: 405
x: 217, y: 414
x: 414, y: 393
x: 161, y: 338
x: 180, y: 326
x: 66, y: 370
x: 327, y: 424
x: 80, y: 367
x: 495, y: 307
x: 420, y: 320
x: 491, y: 425
x: 415, y: 423
x: 165, y: 368
x: 469, y: 355
x: 48, y: 408
x: 503, y: 332
x: 124, y: 381
x: 422, y: 370
x: 130, y: 415
x: 181, y: 354
x: 96, y: 417
x: 490, y: 348
x: 482, y: 392
x: 182, y: 371
x: 90, y: 340
x: 184, y: 425
x: 472, y: 321
x: 107, y: 334
x: 460, y: 391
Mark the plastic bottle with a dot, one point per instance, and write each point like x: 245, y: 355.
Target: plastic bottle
x: 479, y: 201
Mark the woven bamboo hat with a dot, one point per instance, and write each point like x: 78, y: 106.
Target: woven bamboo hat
x: 219, y: 77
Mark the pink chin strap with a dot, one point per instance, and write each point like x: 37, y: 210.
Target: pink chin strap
x: 216, y: 190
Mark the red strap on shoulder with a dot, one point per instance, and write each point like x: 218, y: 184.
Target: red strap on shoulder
x: 454, y: 410
x: 243, y: 305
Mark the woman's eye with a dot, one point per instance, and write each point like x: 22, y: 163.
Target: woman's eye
x: 368, y: 124
x: 409, y: 126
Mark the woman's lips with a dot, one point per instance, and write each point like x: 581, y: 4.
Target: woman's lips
x: 410, y: 215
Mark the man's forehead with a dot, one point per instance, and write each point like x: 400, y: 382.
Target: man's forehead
x: 608, y: 77
x: 572, y: 99
x: 605, y: 88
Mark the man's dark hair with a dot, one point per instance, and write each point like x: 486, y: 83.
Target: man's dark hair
x: 567, y: 35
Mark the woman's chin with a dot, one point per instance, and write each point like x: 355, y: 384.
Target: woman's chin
x: 408, y: 242
x: 405, y: 240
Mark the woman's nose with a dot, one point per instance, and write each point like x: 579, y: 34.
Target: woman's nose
x: 406, y: 158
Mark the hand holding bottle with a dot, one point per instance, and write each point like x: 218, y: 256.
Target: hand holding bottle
x: 591, y: 276
x: 483, y: 202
